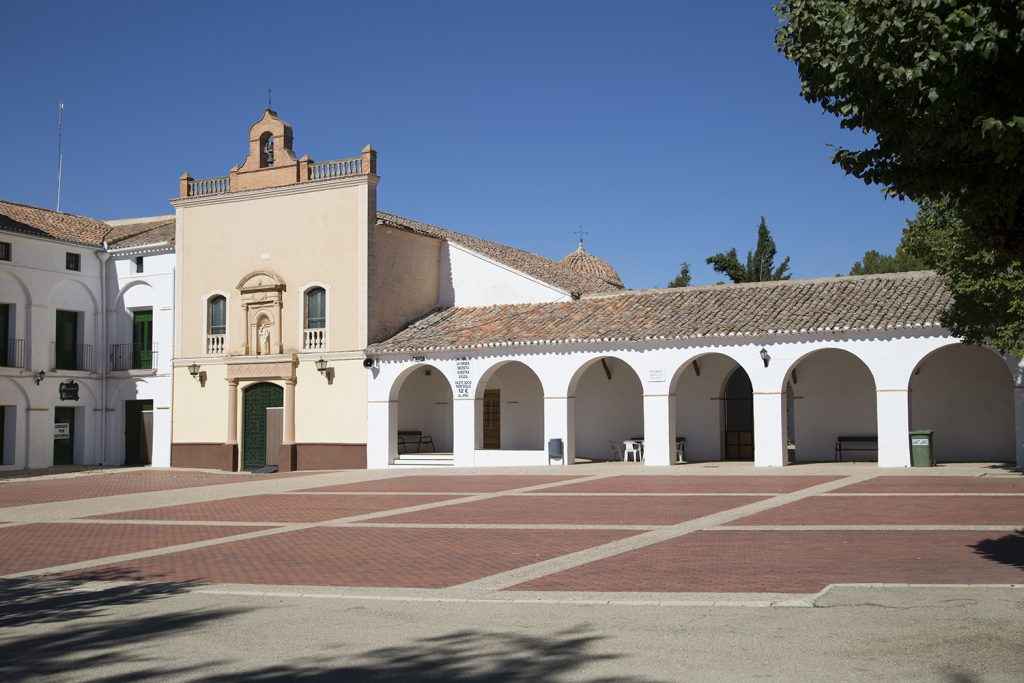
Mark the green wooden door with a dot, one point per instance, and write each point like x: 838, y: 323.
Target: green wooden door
x: 256, y: 399
x: 66, y: 340
x: 142, y: 340
x: 3, y: 436
x: 137, y: 438
x: 63, y: 436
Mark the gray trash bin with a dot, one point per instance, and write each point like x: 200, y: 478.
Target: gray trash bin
x: 555, y: 451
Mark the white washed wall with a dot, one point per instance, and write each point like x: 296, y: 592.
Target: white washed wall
x: 425, y: 405
x: 522, y: 408
x: 699, y: 410
x: 890, y: 357
x: 470, y: 279
x: 964, y: 394
x: 834, y: 395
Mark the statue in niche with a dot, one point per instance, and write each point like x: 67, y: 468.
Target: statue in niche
x: 263, y: 339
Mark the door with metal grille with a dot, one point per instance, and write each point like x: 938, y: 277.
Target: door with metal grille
x: 256, y: 399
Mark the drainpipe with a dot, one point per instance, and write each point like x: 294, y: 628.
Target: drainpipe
x: 103, y: 256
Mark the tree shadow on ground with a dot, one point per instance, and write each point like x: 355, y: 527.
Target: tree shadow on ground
x: 84, y: 641
x: 461, y: 657
x: 1007, y: 549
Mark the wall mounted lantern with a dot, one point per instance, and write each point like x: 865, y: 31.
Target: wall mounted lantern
x: 39, y: 377
x: 194, y: 371
x: 765, y: 357
x: 321, y: 366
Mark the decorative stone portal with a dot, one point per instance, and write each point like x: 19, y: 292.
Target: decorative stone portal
x: 262, y: 297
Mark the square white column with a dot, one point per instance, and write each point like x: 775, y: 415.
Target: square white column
x: 464, y: 413
x: 893, y: 427
x: 381, y: 433
x: 659, y: 429
x: 769, y: 429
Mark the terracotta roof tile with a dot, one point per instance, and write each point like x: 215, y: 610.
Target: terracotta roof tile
x: 31, y: 220
x: 842, y: 304
x: 138, y: 233
x: 538, y: 267
x: 582, y: 261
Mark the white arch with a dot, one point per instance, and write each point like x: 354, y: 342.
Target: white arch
x: 965, y: 394
x: 574, y: 379
x: 119, y: 299
x: 26, y: 293
x: 57, y: 286
x: 431, y: 419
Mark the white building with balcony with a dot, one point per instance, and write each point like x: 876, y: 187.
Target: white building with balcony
x: 86, y: 308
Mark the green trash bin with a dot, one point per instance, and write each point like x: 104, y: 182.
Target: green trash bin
x: 921, y: 448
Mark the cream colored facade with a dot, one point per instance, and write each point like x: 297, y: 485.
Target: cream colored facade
x: 263, y: 248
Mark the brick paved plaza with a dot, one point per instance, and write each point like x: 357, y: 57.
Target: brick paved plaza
x: 583, y: 529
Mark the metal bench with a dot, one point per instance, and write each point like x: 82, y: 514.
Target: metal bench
x: 414, y: 441
x: 867, y: 443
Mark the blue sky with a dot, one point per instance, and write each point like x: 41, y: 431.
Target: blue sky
x: 665, y: 129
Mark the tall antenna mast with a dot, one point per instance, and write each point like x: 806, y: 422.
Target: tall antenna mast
x: 60, y: 158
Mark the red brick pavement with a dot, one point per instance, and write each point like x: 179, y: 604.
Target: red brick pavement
x: 543, y: 509
x: 798, y: 562
x: 874, y: 510
x: 34, y: 546
x: 381, y: 557
x: 694, y: 484
x: 486, y: 483
x: 279, y: 507
x: 33, y: 491
x: 937, y: 485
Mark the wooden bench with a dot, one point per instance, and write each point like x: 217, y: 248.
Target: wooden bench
x: 855, y: 443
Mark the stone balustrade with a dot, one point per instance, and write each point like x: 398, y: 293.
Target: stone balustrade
x: 314, y: 339
x: 339, y: 168
x: 215, y: 344
x: 208, y: 186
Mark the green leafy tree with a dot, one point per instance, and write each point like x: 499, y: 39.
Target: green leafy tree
x: 987, y: 284
x: 938, y: 83
x: 760, y: 264
x: 683, y: 279
x: 875, y: 262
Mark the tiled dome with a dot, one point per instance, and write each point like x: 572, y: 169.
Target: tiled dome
x: 584, y: 262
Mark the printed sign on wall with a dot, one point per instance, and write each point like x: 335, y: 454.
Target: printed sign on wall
x: 463, y: 383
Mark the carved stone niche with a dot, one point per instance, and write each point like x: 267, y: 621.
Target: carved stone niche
x: 262, y: 299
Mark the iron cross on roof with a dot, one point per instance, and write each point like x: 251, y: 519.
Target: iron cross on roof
x: 580, y: 233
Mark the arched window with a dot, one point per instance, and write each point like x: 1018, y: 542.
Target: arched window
x: 217, y: 315
x: 216, y: 324
x: 314, y: 332
x: 316, y: 308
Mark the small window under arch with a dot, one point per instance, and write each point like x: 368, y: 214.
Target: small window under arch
x: 316, y: 308
x: 216, y: 315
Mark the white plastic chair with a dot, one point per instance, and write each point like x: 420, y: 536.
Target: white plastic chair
x: 634, y: 451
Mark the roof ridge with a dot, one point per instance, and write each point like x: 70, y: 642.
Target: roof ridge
x: 557, y: 275
x: 51, y: 211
